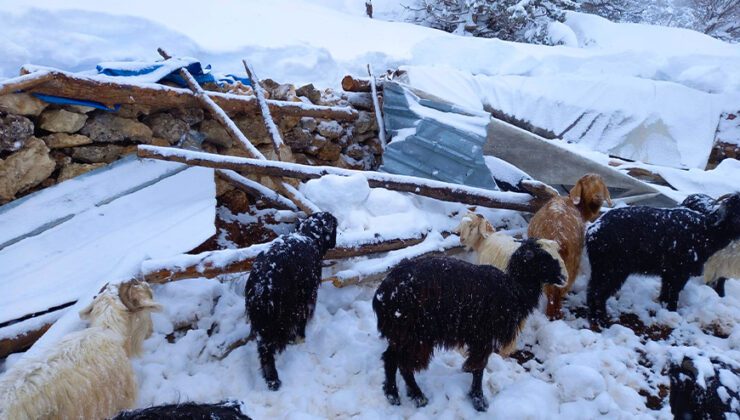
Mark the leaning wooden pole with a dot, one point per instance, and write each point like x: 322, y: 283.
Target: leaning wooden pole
x: 376, y: 105
x: 426, y: 187
x: 277, y: 141
x: 231, y: 128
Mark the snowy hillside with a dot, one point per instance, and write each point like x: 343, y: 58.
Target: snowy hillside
x: 650, y: 94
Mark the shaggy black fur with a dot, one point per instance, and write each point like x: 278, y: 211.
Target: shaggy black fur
x: 705, y: 204
x: 447, y: 302
x: 226, y: 410
x: 671, y: 243
x: 281, y: 289
x: 718, y: 399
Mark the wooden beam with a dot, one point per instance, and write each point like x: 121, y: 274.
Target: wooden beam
x: 429, y: 188
x: 22, y: 341
x: 255, y: 189
x: 277, y: 141
x: 229, y: 261
x: 110, y: 91
x: 24, y: 82
x: 353, y: 84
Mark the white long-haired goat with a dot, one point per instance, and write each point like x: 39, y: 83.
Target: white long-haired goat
x: 496, y: 248
x: 87, y: 375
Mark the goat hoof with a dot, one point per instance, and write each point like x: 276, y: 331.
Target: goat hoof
x: 420, y: 400
x: 480, y: 402
x: 393, y: 399
x: 274, y: 385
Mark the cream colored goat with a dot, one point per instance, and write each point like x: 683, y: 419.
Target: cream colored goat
x: 496, y: 248
x: 87, y: 375
x: 723, y: 264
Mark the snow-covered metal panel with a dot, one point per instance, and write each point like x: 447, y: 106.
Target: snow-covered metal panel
x: 433, y: 140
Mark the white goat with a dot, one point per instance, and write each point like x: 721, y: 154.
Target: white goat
x: 87, y: 375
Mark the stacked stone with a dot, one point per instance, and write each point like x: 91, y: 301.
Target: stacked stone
x: 43, y: 144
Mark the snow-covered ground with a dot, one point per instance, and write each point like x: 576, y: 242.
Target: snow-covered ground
x: 565, y: 370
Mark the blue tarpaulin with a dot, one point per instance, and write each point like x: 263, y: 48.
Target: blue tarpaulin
x: 149, y: 72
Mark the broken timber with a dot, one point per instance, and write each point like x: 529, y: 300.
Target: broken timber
x: 110, y: 92
x: 229, y: 261
x: 429, y: 188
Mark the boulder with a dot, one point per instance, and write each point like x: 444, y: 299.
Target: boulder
x: 309, y: 123
x: 14, y: 131
x: 288, y: 123
x: 330, y: 129
x: 365, y: 122
x: 25, y: 168
x: 80, y: 109
x: 299, y: 139
x: 97, y: 154
x: 166, y: 126
x: 133, y: 111
x: 310, y: 92
x: 74, y: 169
x: 355, y: 151
x: 215, y: 133
x: 330, y: 151
x: 107, y: 128
x: 254, y: 128
x: 61, y: 140
x: 22, y: 104
x: 61, y: 121
x: 190, y: 116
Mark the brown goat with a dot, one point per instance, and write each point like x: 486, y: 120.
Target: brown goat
x: 563, y: 220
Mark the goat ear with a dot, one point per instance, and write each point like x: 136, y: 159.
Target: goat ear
x: 137, y: 296
x: 576, y: 191
x: 607, y: 196
x: 86, y: 311
x: 484, y: 228
x: 719, y: 215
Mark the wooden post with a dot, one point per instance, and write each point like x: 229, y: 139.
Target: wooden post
x: 376, y: 105
x: 277, y: 140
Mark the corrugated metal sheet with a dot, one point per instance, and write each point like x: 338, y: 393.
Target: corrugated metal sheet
x: 429, y: 147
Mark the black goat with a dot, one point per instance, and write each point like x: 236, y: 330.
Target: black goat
x: 226, y: 410
x: 672, y: 243
x: 718, y: 398
x: 282, y: 286
x: 446, y: 302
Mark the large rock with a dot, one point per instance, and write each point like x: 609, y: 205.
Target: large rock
x: 330, y: 129
x: 365, y: 122
x: 61, y: 121
x: 133, y: 110
x: 22, y: 104
x: 107, y: 128
x: 191, y: 116
x: 61, y: 140
x: 215, y: 133
x: 25, y: 168
x: 330, y: 151
x: 299, y: 139
x: 14, y: 131
x: 254, y: 128
x: 74, y: 169
x: 310, y: 92
x: 165, y: 126
x: 309, y: 123
x: 97, y: 154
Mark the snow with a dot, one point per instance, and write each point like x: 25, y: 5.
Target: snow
x: 633, y: 77
x: 111, y: 239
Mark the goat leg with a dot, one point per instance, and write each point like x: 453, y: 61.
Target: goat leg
x: 670, y: 289
x: 719, y: 286
x: 390, y: 389
x: 480, y: 402
x: 267, y: 362
x: 412, y: 388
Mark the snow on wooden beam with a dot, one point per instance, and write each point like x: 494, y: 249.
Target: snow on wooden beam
x: 111, y: 91
x: 214, y: 263
x: 429, y: 188
x: 277, y: 140
x: 256, y: 189
x: 24, y: 82
x: 376, y: 269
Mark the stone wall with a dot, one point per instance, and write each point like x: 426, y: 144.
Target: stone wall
x: 43, y: 144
